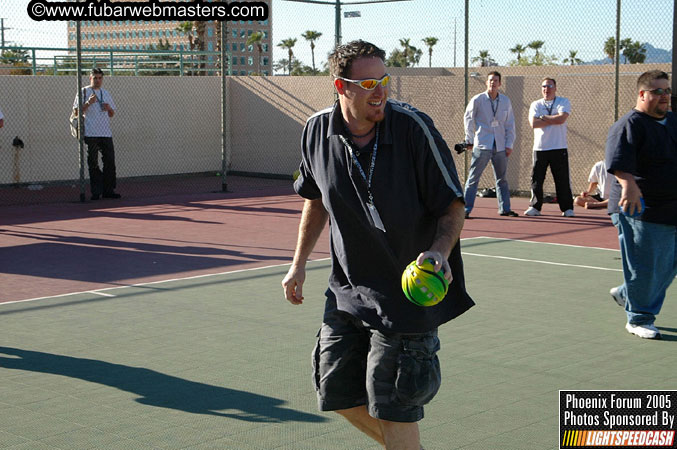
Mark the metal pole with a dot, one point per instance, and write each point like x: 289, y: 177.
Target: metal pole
x: 617, y: 52
x: 338, y: 24
x: 673, y: 97
x: 81, y: 102
x: 224, y: 118
x: 465, y: 75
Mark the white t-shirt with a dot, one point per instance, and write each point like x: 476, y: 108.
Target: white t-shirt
x: 598, y: 175
x: 97, y: 122
x: 553, y: 136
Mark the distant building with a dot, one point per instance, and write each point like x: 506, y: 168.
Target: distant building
x: 143, y: 35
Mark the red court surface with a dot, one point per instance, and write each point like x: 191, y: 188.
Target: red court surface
x: 57, y: 249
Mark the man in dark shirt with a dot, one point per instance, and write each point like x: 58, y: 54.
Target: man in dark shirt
x: 383, y: 175
x: 641, y: 152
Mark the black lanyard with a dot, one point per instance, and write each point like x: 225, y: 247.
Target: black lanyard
x: 551, y: 106
x: 378, y: 223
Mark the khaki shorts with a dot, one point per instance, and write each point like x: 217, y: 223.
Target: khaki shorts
x: 393, y: 374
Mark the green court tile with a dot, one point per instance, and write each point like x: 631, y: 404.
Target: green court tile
x: 7, y: 440
x: 42, y: 427
x: 83, y: 438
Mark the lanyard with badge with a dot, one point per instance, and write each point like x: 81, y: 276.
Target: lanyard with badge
x: 552, y: 105
x: 375, y: 216
x: 494, y: 123
x: 99, y: 98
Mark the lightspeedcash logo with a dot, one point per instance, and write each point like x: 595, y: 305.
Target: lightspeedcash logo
x: 146, y: 10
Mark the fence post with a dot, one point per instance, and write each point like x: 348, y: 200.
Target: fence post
x: 111, y: 63
x: 81, y: 120
x: 224, y: 117
x: 33, y: 58
x: 618, y: 57
x: 181, y: 61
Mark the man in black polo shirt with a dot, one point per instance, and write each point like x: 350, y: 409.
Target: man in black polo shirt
x: 641, y: 151
x: 383, y: 175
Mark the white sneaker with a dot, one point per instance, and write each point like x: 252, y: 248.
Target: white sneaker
x: 643, y: 331
x: 532, y: 212
x: 568, y: 213
x: 616, y: 294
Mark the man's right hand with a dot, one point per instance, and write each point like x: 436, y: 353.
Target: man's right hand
x: 293, y: 284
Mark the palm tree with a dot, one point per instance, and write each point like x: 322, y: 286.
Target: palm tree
x: 484, y: 59
x: 634, y: 52
x: 610, y: 49
x: 625, y: 44
x: 430, y: 42
x: 281, y: 64
x: 572, y: 59
x: 519, y: 49
x: 312, y: 36
x: 535, y: 45
x: 187, y: 29
x: 289, y: 45
x: 255, y: 39
x: 407, y: 47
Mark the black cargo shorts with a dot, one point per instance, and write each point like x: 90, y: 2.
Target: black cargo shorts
x: 393, y: 374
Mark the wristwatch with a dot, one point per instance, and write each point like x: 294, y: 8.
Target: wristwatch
x: 540, y: 117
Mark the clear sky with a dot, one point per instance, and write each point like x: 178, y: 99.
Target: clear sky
x: 495, y: 25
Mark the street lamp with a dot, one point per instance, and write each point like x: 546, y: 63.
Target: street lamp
x: 337, y: 4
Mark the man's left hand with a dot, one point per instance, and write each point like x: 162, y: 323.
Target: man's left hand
x: 440, y: 263
x: 508, y: 151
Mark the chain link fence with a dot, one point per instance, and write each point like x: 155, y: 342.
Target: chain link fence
x: 199, y: 110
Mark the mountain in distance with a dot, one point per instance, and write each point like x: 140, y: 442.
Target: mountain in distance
x: 653, y: 55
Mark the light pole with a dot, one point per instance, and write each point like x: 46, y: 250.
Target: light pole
x: 337, y: 5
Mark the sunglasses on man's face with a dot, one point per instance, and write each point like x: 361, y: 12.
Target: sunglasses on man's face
x: 659, y: 91
x: 369, y: 84
x: 548, y: 86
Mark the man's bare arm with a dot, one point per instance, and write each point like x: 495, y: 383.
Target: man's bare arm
x: 313, y: 219
x: 448, y: 233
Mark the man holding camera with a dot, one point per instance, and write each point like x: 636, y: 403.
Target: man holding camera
x: 489, y: 134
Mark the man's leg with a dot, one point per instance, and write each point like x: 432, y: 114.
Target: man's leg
x: 108, y: 158
x: 400, y: 436
x: 648, y: 252
x: 480, y: 159
x: 95, y: 174
x: 500, y: 164
x: 559, y: 165
x: 360, y: 419
x: 403, y: 374
x: 538, y: 172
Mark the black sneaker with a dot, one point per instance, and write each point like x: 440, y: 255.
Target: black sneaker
x: 112, y: 195
x: 510, y: 214
x: 467, y: 215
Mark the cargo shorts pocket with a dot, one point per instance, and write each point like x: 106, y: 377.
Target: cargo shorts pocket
x: 418, y: 370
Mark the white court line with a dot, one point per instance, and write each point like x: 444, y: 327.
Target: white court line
x: 101, y: 291
x: 545, y: 243
x: 542, y: 262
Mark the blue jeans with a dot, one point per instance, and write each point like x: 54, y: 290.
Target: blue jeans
x: 649, y: 253
x: 480, y: 159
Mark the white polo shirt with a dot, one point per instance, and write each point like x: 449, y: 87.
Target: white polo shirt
x: 97, y: 122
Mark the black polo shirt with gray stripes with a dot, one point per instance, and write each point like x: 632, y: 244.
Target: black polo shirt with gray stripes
x: 414, y: 181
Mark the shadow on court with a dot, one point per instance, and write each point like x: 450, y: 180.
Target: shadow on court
x: 158, y: 389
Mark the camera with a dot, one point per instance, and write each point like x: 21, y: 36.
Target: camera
x: 460, y: 148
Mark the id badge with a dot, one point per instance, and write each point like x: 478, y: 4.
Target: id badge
x: 378, y: 223
x: 494, y: 124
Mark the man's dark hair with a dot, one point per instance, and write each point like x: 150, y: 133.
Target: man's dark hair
x: 550, y: 79
x: 494, y: 72
x: 96, y: 71
x: 342, y: 58
x: 646, y: 79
